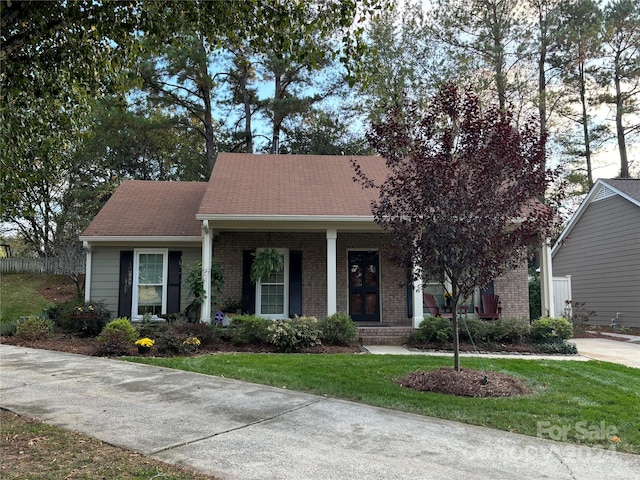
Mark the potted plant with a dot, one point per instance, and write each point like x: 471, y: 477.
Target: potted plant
x: 191, y: 344
x: 265, y: 262
x: 144, y: 345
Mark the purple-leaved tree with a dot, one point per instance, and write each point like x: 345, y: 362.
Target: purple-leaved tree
x: 463, y: 196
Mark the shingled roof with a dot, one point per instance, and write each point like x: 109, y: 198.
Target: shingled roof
x: 150, y: 209
x: 247, y: 185
x: 627, y: 186
x: 241, y: 186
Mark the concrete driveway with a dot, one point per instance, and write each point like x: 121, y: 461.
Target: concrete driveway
x: 624, y: 353
x: 242, y: 431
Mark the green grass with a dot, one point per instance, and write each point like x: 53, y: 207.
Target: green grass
x: 580, y: 397
x: 19, y: 294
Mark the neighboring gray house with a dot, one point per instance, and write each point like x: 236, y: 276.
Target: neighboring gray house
x: 600, y: 249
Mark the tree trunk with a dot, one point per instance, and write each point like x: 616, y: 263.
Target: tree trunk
x: 208, y: 129
x: 622, y: 145
x: 246, y: 98
x: 585, y: 125
x: 275, y: 140
x: 456, y: 340
x: 542, y: 79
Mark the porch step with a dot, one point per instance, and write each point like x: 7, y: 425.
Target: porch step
x: 384, y: 335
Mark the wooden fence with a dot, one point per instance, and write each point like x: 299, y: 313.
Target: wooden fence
x: 49, y: 266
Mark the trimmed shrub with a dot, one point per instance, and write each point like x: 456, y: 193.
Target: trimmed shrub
x: 249, y: 329
x: 511, y: 330
x: 116, y: 338
x: 292, y: 335
x: 168, y: 344
x: 208, y: 334
x: 8, y: 326
x: 545, y: 329
x: 557, y: 346
x: 338, y: 329
x: 436, y: 329
x: 477, y: 331
x: 146, y: 328
x: 34, y: 328
x: 85, y: 320
x: 119, y: 325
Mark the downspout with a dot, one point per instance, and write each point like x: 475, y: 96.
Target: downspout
x: 87, y: 271
x: 205, y: 309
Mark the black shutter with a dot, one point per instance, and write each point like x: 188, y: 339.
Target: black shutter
x: 125, y: 295
x: 248, y: 287
x: 410, y: 288
x: 295, y: 283
x: 173, y: 282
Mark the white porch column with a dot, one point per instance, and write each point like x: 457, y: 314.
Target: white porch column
x: 205, y: 309
x: 87, y: 271
x: 418, y: 309
x: 546, y: 280
x: 332, y: 282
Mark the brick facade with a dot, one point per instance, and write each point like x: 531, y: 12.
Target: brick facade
x: 228, y: 247
x: 513, y: 289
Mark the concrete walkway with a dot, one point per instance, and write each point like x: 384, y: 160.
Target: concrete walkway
x: 624, y: 353
x: 242, y: 431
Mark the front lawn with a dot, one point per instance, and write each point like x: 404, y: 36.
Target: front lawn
x: 591, y: 403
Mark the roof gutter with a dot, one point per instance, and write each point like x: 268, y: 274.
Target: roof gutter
x: 287, y: 218
x: 146, y: 239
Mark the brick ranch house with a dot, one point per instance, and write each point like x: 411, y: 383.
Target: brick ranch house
x: 142, y: 243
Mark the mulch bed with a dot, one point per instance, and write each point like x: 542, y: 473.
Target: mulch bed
x: 465, y: 383
x: 89, y: 346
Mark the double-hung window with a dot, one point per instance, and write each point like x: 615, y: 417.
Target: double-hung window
x: 150, y: 268
x: 272, y: 293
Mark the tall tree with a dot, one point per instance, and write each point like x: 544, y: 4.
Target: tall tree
x: 622, y: 69
x: 435, y: 203
x: 57, y: 57
x: 403, y: 58
x: 60, y: 57
x: 179, y: 78
x: 144, y: 143
x: 542, y: 23
x: 490, y: 32
x: 242, y: 78
x: 575, y: 55
x: 319, y: 132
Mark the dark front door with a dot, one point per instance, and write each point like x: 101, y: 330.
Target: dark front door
x: 364, y: 286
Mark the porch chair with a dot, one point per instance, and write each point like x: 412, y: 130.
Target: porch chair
x: 429, y: 301
x: 491, y: 308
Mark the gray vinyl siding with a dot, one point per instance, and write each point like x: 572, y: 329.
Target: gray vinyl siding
x: 602, y: 255
x: 106, y: 271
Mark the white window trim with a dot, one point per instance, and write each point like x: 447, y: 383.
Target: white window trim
x: 165, y: 272
x: 258, y: 309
